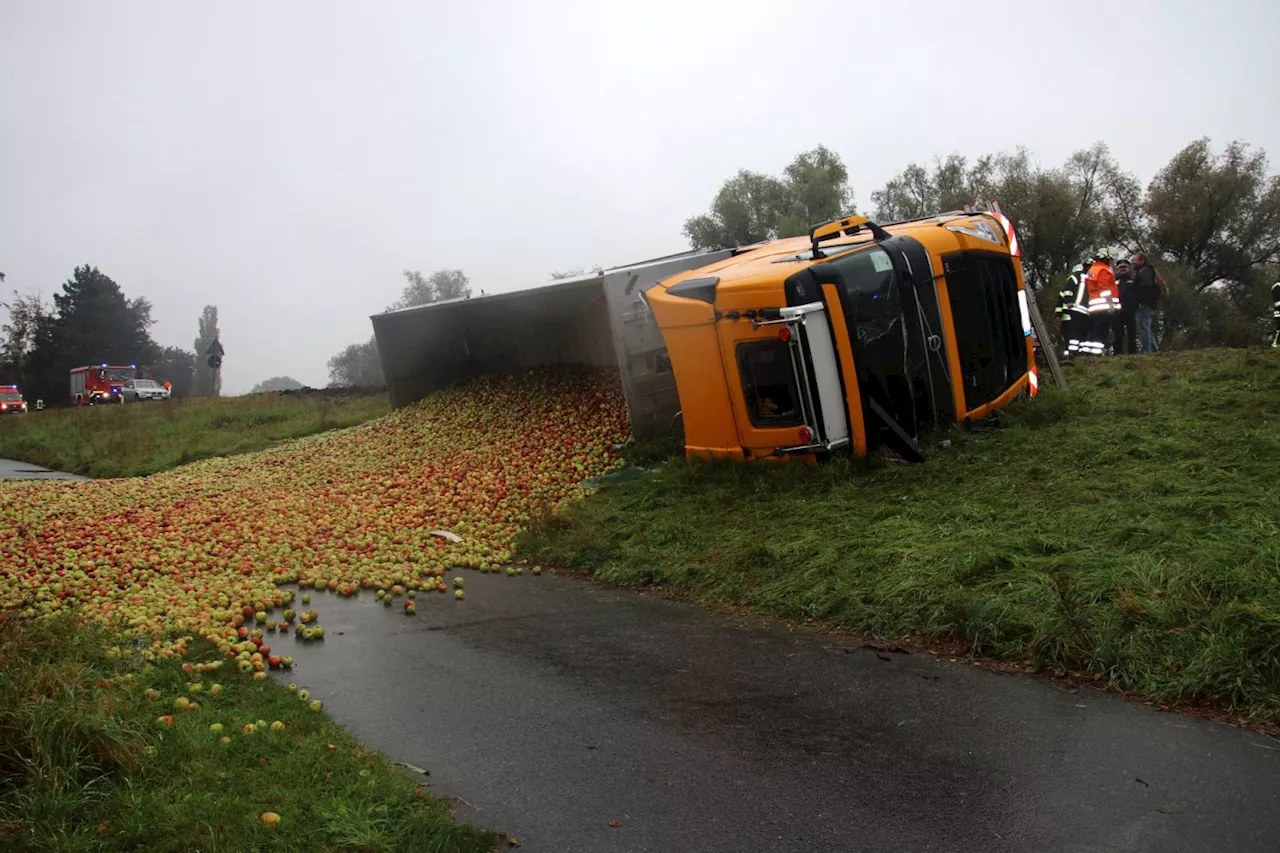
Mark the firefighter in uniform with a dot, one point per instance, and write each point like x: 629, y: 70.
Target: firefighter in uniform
x: 1072, y: 314
x: 1103, y: 302
x: 1275, y: 312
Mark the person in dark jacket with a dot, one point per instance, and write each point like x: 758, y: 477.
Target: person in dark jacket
x: 1125, y: 332
x: 1147, y: 289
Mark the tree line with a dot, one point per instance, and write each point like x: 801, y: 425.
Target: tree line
x: 1209, y: 219
x: 91, y: 321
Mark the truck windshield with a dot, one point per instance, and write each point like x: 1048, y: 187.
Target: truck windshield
x: 10, y: 396
x: 873, y: 291
x: 117, y: 374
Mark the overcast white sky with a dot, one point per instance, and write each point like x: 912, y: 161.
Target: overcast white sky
x: 285, y: 161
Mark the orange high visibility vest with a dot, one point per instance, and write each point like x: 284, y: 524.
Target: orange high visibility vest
x: 1100, y: 284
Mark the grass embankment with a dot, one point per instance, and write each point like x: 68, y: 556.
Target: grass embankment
x: 137, y: 439
x: 1129, y: 530
x: 86, y: 763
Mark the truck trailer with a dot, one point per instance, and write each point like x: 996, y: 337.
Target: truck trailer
x: 855, y: 337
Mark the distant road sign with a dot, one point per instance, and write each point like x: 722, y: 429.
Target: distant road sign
x: 215, y: 348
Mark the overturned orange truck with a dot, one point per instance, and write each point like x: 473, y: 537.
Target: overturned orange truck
x: 858, y: 336
x: 853, y: 338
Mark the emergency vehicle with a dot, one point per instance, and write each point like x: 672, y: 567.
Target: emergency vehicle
x: 855, y: 337
x: 100, y: 383
x: 11, y: 402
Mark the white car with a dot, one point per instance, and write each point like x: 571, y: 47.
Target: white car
x: 137, y: 390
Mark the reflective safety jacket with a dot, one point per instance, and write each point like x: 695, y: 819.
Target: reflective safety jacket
x: 1073, y: 299
x: 1069, y: 297
x: 1275, y: 312
x: 1101, y: 289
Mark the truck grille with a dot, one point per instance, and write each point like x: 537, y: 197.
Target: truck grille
x: 983, y: 291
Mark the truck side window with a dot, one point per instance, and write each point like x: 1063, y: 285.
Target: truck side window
x: 769, y: 383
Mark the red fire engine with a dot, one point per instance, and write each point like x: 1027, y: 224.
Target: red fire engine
x: 100, y: 383
x: 11, y: 402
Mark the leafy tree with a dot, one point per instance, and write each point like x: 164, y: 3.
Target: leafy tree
x: 440, y: 285
x: 1218, y: 216
x: 816, y: 185
x: 357, y: 366
x: 1060, y: 214
x: 92, y: 321
x: 745, y: 210
x: 952, y: 184
x: 26, y: 315
x: 176, y: 366
x: 1228, y: 314
x: 751, y: 207
x: 208, y: 382
x: 277, y: 383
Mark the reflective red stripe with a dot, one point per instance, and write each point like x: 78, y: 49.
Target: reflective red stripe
x: 1034, y: 381
x: 1011, y: 237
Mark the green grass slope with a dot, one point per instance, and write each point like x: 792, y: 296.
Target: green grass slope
x: 1129, y: 529
x: 89, y: 761
x: 143, y: 438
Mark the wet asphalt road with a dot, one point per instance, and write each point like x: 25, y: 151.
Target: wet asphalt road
x: 552, y: 707
x: 11, y: 470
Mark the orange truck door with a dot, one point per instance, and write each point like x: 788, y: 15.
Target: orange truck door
x: 784, y: 382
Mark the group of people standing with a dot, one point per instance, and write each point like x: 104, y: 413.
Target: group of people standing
x: 1102, y: 306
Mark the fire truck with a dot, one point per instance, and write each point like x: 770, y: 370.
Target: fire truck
x: 101, y: 383
x: 11, y: 402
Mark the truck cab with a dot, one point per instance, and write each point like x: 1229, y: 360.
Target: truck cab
x: 854, y: 338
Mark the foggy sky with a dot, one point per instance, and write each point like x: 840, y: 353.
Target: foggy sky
x: 285, y: 161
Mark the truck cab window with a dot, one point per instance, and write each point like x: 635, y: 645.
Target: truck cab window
x: 769, y: 383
